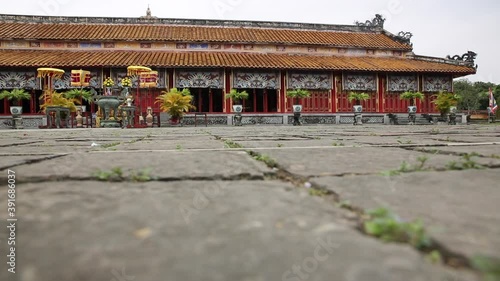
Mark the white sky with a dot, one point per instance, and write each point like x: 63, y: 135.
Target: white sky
x: 439, y: 27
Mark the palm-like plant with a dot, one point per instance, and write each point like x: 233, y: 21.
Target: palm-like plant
x: 79, y: 94
x: 358, y: 97
x: 57, y: 99
x: 237, y: 96
x: 175, y: 102
x: 16, y: 95
x: 412, y: 96
x: 297, y: 94
x: 445, y: 100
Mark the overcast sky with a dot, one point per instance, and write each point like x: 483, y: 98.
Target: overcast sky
x: 439, y: 27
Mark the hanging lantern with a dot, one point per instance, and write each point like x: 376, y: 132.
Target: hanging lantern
x: 80, y: 78
x: 148, y: 79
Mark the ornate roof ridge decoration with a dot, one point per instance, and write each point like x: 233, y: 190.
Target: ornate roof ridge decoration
x: 468, y: 58
x: 448, y: 59
x: 375, y: 25
x: 403, y: 37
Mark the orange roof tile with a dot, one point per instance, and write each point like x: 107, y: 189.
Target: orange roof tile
x: 66, y: 58
x: 180, y: 33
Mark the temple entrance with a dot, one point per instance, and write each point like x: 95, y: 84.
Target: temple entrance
x: 261, y: 101
x: 207, y: 100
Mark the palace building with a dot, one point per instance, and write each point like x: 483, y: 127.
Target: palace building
x: 211, y: 57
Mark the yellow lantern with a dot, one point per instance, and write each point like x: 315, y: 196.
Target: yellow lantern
x: 80, y: 78
x: 148, y: 79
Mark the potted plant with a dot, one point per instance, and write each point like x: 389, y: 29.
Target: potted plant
x: 296, y: 95
x: 58, y: 103
x: 412, y: 109
x: 15, y: 95
x: 126, y: 83
x: 175, y: 103
x: 16, y: 109
x: 357, y: 108
x: 80, y: 95
x: 446, y: 104
x: 108, y: 83
x: 237, y: 97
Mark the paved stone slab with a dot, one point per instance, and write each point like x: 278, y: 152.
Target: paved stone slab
x: 10, y: 161
x: 241, y: 231
x: 164, y: 165
x: 351, y: 160
x: 492, y: 151
x: 461, y: 208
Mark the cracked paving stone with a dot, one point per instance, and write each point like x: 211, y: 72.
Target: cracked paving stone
x: 166, y: 164
x: 235, y: 230
x: 460, y: 208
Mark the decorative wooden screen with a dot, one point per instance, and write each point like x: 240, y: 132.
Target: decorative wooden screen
x: 199, y: 79
x: 437, y: 83
x: 18, y: 79
x: 359, y: 82
x: 256, y: 80
x: 310, y: 81
x: 402, y: 83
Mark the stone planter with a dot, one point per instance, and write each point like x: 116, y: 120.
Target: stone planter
x: 452, y: 116
x: 237, y: 109
x: 297, y: 109
x: 412, y: 113
x: 358, y: 109
x: 16, y: 111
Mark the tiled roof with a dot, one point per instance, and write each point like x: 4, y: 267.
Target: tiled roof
x: 179, y: 33
x: 64, y: 58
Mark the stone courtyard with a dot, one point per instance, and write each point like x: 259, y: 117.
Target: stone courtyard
x: 249, y: 203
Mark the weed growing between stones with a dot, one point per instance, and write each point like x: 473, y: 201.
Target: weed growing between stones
x: 383, y: 224
x: 407, y: 168
x: 318, y: 192
x: 116, y: 175
x: 143, y: 175
x: 232, y: 144
x: 489, y: 267
x: 270, y: 162
x: 108, y: 145
x: 466, y: 163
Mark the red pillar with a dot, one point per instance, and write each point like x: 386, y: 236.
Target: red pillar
x: 282, y: 93
x: 381, y: 92
x: 227, y: 89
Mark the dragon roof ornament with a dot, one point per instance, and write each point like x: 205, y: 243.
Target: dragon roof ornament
x: 468, y: 58
x: 377, y: 22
